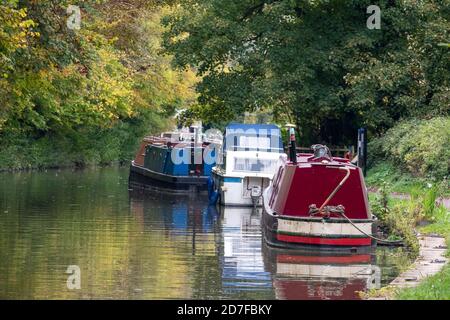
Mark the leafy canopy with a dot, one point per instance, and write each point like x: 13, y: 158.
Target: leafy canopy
x: 314, y: 62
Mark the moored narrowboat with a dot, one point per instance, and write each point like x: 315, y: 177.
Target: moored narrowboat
x: 176, y: 161
x: 317, y: 201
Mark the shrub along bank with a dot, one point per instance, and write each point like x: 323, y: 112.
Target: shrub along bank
x: 419, y: 150
x: 413, y: 158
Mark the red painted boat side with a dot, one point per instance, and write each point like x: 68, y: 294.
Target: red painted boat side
x: 344, y: 260
x: 308, y: 183
x: 325, y: 241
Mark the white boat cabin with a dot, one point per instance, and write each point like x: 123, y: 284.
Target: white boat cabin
x: 250, y: 156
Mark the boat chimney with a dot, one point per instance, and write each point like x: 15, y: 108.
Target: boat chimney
x: 195, y: 137
x: 362, y: 149
x: 292, y: 146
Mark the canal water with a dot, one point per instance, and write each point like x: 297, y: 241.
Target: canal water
x: 130, y: 245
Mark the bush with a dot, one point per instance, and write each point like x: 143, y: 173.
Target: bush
x: 422, y: 147
x: 85, y: 146
x: 398, y: 218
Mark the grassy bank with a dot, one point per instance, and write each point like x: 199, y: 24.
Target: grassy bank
x: 411, y: 158
x: 405, y: 219
x: 434, y: 287
x: 398, y: 218
x: 403, y: 181
x: 437, y: 286
x: 399, y: 215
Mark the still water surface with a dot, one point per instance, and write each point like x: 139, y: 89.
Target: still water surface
x: 130, y: 245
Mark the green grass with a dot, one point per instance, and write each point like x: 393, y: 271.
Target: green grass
x: 398, y: 216
x: 401, y: 217
x: 436, y: 287
x: 402, y: 181
x: 440, y: 223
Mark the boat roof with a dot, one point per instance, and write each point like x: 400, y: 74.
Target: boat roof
x: 308, y: 158
x: 246, y: 126
x: 253, y: 137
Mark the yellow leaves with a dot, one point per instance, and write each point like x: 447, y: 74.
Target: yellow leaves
x: 23, y: 13
x: 96, y: 77
x: 14, y: 28
x: 26, y: 24
x: 110, y: 89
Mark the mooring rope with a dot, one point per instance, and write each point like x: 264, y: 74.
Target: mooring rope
x: 369, y: 235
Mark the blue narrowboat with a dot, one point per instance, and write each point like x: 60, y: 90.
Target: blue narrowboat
x: 179, y: 161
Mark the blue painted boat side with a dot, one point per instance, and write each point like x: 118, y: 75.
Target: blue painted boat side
x: 176, y: 169
x: 158, y: 159
x: 207, y: 168
x: 232, y: 179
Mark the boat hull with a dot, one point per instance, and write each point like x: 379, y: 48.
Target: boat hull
x: 316, y: 233
x: 144, y: 178
x: 236, y: 191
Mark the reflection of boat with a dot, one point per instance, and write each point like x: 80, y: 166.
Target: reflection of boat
x: 176, y: 214
x: 243, y: 267
x: 231, y: 259
x: 310, y: 275
x: 176, y: 160
x: 250, y: 158
x: 317, y: 200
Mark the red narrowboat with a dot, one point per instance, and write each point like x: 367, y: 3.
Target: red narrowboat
x: 318, y: 201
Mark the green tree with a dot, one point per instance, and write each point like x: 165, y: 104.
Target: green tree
x: 15, y: 30
x: 315, y: 63
x: 80, y: 96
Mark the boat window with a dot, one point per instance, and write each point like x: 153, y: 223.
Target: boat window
x: 255, y: 165
x: 254, y: 142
